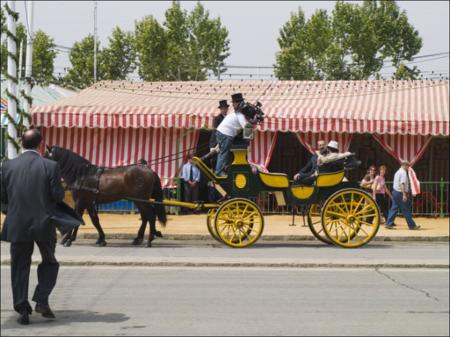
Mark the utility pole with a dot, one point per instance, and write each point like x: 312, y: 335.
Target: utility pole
x: 12, y: 86
x: 95, y: 41
x: 29, y: 60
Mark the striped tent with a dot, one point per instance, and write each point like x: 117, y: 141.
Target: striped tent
x: 111, y: 121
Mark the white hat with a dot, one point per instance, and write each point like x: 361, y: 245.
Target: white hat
x: 333, y: 144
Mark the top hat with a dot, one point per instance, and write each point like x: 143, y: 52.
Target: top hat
x: 237, y: 97
x: 223, y: 104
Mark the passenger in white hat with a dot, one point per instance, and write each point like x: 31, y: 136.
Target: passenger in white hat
x: 331, y: 155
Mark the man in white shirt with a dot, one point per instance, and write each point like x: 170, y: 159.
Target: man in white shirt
x: 401, y: 198
x: 230, y: 127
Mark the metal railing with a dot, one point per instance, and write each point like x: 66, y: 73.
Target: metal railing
x: 433, y: 201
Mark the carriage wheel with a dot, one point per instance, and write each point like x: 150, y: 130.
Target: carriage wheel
x: 210, y: 224
x: 350, y: 218
x: 315, y: 223
x: 239, y: 222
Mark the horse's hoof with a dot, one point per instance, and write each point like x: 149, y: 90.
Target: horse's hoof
x: 158, y: 234
x: 68, y: 243
x: 137, y: 241
x: 149, y: 244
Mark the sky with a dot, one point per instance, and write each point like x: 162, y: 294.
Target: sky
x: 253, y: 25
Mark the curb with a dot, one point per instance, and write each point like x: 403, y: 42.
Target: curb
x: 203, y: 237
x: 299, y: 265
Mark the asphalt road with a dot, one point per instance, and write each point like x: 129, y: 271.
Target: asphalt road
x: 208, y: 253
x: 105, y: 300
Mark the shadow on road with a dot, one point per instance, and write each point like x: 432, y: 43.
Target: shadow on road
x: 64, y: 317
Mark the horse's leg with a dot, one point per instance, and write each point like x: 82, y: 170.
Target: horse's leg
x: 72, y: 235
x: 140, y: 235
x: 152, y: 224
x: 96, y: 222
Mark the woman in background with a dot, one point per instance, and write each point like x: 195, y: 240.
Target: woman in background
x: 379, y: 192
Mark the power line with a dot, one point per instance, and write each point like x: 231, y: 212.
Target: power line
x: 160, y: 93
x: 26, y: 17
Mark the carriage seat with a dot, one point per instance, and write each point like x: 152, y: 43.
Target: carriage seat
x: 328, y: 179
x: 274, y: 180
x: 302, y: 191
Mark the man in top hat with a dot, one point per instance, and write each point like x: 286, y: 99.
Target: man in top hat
x: 223, y: 107
x: 230, y: 127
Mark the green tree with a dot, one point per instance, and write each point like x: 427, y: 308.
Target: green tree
x: 44, y: 55
x: 292, y: 60
x: 353, y: 43
x: 177, y: 34
x: 151, y: 48
x: 185, y: 47
x: 119, y: 57
x: 81, y: 73
x: 208, y: 43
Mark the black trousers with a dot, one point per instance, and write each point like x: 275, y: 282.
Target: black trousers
x: 382, y: 202
x: 190, y: 193
x: 47, y: 271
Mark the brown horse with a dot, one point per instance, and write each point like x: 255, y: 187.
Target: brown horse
x: 91, y: 185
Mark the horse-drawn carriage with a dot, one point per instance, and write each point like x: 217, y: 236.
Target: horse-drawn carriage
x: 338, y: 211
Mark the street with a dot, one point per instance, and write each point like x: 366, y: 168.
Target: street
x: 244, y: 296
x: 240, y: 301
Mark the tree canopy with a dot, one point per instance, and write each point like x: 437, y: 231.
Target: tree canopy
x: 354, y: 42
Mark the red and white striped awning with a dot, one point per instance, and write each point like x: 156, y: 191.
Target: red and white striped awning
x: 383, y: 107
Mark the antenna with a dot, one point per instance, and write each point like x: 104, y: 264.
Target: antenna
x: 95, y: 41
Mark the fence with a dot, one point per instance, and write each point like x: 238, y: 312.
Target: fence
x: 433, y: 201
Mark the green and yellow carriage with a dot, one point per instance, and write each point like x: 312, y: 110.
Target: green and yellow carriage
x: 338, y: 212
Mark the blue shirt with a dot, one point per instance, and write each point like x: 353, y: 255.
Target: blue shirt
x: 186, y: 171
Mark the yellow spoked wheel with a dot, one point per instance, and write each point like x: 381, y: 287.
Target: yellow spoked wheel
x: 315, y: 223
x: 239, y: 222
x: 210, y: 224
x: 350, y: 218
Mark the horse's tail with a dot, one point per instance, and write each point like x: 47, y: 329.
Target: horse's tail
x: 158, y: 196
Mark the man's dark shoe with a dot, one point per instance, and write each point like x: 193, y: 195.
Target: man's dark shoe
x: 23, y: 319
x: 415, y: 228
x: 389, y: 227
x: 44, y: 310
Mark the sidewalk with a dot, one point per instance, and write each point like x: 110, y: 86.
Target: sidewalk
x: 276, y: 227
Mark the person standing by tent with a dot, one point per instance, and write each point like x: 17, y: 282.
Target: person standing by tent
x: 191, y: 177
x: 401, y: 198
x: 379, y: 192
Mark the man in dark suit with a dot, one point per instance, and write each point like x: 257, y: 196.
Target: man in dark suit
x: 305, y: 175
x: 31, y: 188
x: 223, y: 106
